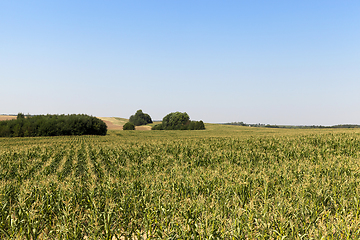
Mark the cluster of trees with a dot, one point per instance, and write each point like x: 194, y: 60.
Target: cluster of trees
x: 172, y: 121
x: 179, y: 121
x: 237, y: 124
x: 140, y: 118
x: 52, y: 125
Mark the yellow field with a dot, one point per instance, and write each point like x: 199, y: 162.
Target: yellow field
x: 5, y: 117
x: 115, y: 123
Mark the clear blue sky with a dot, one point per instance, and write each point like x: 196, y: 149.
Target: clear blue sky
x: 277, y: 62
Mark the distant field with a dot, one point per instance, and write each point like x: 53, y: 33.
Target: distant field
x: 225, y: 182
x: 4, y: 117
x: 114, y: 123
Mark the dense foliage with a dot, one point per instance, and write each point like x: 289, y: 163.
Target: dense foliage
x: 182, y: 185
x: 179, y: 121
x: 52, y: 125
x: 140, y: 118
x: 129, y: 126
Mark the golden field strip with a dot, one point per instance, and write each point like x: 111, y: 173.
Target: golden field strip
x: 226, y: 182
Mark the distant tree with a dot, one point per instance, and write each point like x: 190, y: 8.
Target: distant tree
x: 5, y: 130
x: 20, y: 116
x: 129, y: 126
x: 199, y: 125
x: 175, y: 120
x: 179, y: 121
x: 140, y: 118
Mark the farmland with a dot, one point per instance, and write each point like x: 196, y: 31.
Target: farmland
x: 225, y: 182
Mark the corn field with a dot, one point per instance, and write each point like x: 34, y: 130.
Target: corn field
x: 119, y: 186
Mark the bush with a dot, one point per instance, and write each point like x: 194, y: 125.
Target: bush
x: 129, y: 126
x: 140, y: 118
x: 199, y: 125
x: 157, y: 127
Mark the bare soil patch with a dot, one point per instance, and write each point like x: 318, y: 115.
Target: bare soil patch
x: 112, y: 126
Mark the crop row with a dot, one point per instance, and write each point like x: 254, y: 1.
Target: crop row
x: 295, y: 187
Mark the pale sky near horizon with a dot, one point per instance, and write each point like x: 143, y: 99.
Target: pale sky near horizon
x: 271, y: 62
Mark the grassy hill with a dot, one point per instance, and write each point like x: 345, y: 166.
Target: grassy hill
x: 116, y: 123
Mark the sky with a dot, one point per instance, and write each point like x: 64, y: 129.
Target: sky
x: 271, y: 62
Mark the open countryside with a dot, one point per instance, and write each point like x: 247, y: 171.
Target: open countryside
x: 177, y: 120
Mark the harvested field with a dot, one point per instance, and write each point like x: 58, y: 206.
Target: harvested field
x: 112, y: 126
x: 5, y: 117
x: 114, y: 123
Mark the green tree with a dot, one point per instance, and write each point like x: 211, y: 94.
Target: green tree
x: 175, y: 120
x: 140, y: 118
x: 20, y: 116
x: 179, y: 121
x: 199, y: 125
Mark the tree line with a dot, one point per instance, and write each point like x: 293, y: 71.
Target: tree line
x: 292, y: 126
x: 52, y: 125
